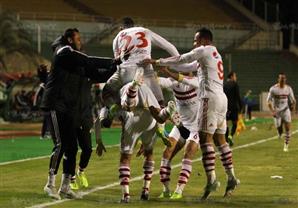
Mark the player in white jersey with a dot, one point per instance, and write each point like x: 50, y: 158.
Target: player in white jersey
x: 185, y: 89
x: 278, y: 100
x: 134, y: 44
x: 213, y: 107
x: 137, y: 123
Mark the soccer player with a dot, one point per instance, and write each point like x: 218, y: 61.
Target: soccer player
x: 137, y: 123
x: 213, y: 107
x: 278, y: 100
x: 231, y: 89
x: 134, y: 44
x: 185, y: 88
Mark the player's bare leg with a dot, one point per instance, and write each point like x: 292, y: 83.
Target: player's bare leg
x: 227, y: 162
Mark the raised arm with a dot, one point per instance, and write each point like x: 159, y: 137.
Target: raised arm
x: 163, y: 43
x: 184, y: 58
x: 189, y: 57
x: 165, y: 82
x: 105, y: 68
x: 186, y: 68
x: 95, y: 68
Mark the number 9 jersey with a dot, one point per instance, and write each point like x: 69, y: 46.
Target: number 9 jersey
x: 210, y: 73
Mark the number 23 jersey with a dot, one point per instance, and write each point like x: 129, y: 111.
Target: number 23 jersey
x: 137, y: 41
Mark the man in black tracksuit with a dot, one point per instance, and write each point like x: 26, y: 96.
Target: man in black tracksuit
x: 232, y: 92
x: 62, y: 98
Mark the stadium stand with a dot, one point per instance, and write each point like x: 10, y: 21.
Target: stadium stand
x: 204, y: 11
x: 46, y: 10
x: 231, y: 29
x: 53, y: 6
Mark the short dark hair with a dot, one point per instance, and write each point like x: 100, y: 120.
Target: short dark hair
x: 231, y: 73
x: 205, y: 33
x: 69, y: 33
x: 281, y: 73
x: 127, y: 22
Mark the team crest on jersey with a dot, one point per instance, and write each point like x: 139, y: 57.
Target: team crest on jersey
x: 215, y: 55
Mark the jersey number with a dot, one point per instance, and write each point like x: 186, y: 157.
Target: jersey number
x: 142, y: 43
x: 220, y: 70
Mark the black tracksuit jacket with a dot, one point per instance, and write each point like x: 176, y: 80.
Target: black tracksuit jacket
x: 64, y: 91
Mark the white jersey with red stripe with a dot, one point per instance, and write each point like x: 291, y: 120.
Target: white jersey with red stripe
x: 186, y: 96
x: 280, y: 97
x: 138, y: 41
x: 210, y: 72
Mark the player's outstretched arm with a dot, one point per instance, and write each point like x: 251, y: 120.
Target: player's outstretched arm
x: 163, y: 44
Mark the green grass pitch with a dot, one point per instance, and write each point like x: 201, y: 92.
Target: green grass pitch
x: 21, y: 184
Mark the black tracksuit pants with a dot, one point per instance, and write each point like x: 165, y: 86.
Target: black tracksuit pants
x: 66, y: 143
x: 64, y: 135
x: 84, y: 139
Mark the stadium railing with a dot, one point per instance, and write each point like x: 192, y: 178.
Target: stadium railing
x: 194, y: 24
x: 138, y: 20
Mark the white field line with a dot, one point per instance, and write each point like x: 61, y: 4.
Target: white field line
x: 138, y: 178
x: 43, y: 157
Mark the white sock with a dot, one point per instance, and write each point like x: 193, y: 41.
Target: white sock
x: 51, y: 180
x: 65, y: 182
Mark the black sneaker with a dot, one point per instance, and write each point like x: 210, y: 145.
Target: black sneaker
x: 145, y: 195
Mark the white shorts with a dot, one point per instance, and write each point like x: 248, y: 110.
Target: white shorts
x: 135, y: 125
x: 126, y: 74
x: 284, y: 116
x: 189, y: 116
x: 212, y: 117
x: 145, y: 97
x: 194, y: 136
